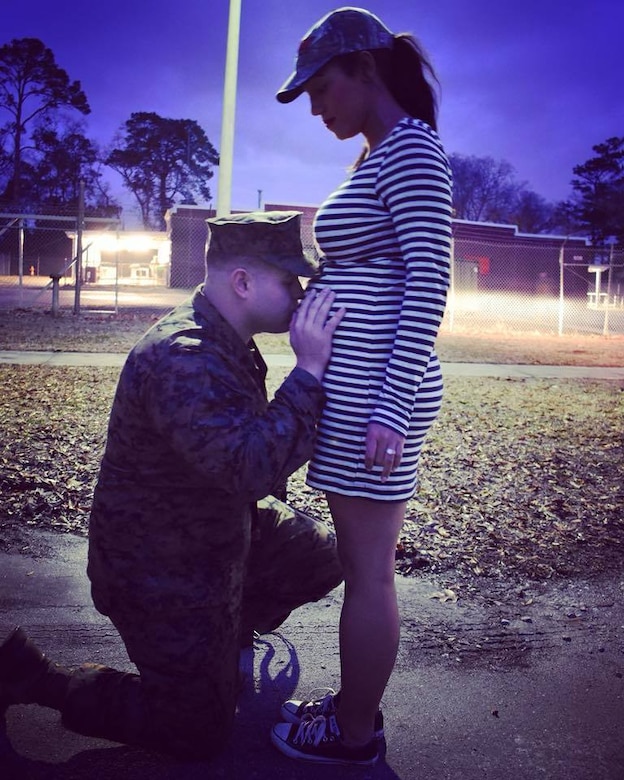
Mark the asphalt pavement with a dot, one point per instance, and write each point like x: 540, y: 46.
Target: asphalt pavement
x: 502, y: 683
x: 525, y: 683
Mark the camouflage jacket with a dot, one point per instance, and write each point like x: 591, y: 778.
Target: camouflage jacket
x: 192, y: 444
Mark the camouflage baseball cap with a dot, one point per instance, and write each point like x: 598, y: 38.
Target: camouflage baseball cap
x: 339, y: 32
x: 271, y: 236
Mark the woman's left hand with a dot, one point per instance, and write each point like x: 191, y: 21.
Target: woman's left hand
x: 384, y: 447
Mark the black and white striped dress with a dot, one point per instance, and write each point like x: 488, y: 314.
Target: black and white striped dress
x: 385, y: 235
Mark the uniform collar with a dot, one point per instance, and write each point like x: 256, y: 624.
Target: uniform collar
x: 225, y: 333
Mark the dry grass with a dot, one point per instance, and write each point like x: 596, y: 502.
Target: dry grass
x: 532, y: 349
x: 38, y: 330
x: 520, y: 478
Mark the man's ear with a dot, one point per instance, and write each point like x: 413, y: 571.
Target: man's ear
x: 240, y: 280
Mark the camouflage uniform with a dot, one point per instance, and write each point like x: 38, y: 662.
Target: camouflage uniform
x: 187, y: 542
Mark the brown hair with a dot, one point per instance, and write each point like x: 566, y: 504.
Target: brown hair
x: 406, y: 72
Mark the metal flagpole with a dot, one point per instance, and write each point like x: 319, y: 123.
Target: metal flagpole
x: 224, y: 190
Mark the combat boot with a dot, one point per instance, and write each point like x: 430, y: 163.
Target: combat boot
x: 27, y: 676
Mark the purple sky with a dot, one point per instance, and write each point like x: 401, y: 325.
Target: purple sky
x: 536, y: 83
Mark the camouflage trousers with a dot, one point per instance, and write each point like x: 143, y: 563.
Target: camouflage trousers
x: 183, y: 699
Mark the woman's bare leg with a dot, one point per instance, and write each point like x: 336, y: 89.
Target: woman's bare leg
x: 367, y: 532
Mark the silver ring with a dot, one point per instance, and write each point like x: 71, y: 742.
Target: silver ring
x: 390, y: 452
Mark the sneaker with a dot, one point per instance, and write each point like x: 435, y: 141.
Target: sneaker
x: 295, y: 710
x: 319, y: 740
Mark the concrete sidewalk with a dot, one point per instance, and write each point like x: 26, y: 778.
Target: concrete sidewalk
x: 115, y: 359
x: 517, y: 684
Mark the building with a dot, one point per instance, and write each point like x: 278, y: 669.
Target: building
x: 124, y: 257
x: 487, y: 256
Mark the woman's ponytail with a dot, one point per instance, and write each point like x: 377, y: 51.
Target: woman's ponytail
x: 409, y: 76
x: 406, y: 72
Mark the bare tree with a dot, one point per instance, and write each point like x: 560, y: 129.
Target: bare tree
x: 483, y: 188
x: 486, y: 190
x: 532, y: 213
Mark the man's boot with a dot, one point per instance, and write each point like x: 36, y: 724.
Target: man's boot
x: 27, y: 676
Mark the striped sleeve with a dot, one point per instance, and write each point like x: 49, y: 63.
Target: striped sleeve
x: 414, y: 184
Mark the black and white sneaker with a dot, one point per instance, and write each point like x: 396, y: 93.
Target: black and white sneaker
x: 296, y: 710
x: 319, y: 740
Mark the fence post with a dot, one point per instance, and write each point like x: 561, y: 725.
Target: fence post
x: 20, y: 259
x: 55, y: 294
x: 605, y: 324
x: 451, y: 296
x: 117, y: 271
x: 79, y: 229
x: 561, y: 293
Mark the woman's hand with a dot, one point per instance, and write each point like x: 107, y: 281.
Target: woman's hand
x: 384, y: 447
x: 312, y: 330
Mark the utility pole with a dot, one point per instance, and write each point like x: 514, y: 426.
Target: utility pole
x: 79, y: 229
x: 605, y: 324
x: 20, y: 259
x: 226, y: 153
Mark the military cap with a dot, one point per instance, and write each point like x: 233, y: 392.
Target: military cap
x: 271, y: 236
x: 340, y: 32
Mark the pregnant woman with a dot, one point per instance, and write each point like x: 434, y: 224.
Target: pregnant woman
x: 385, y: 237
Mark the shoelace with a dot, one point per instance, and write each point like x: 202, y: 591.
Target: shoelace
x: 313, y: 730
x: 320, y: 700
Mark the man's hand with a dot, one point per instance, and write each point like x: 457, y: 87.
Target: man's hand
x: 312, y: 330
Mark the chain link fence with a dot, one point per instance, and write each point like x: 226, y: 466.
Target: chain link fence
x: 527, y: 288
x: 522, y: 284
x: 46, y: 244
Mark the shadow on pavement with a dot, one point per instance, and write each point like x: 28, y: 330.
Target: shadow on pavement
x: 249, y: 753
